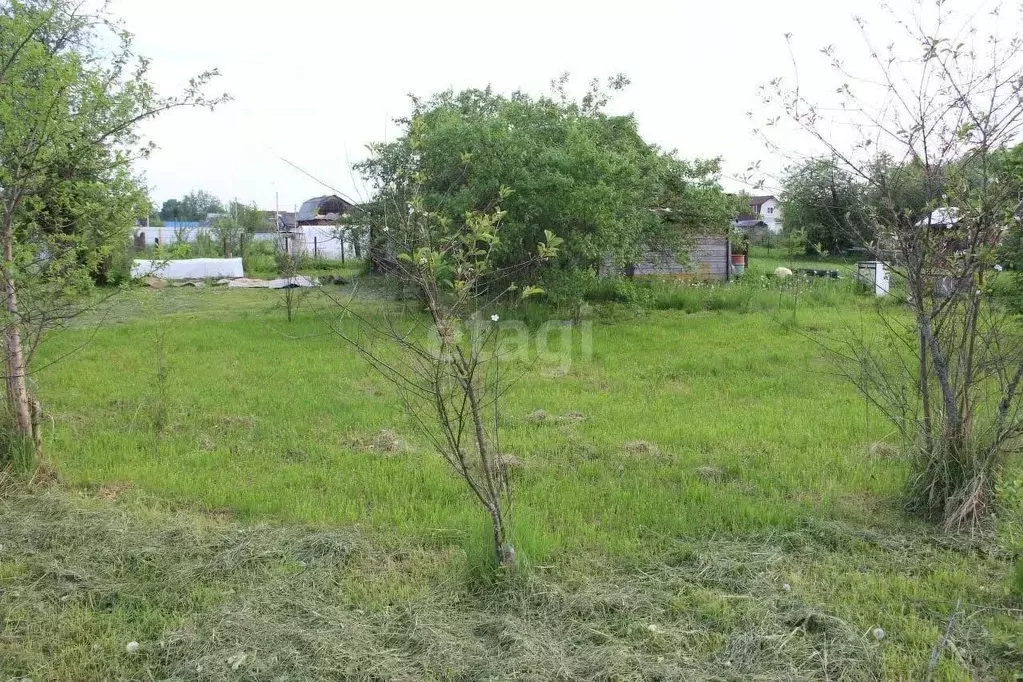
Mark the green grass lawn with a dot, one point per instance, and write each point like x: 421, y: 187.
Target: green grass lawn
x: 767, y: 260
x: 661, y: 560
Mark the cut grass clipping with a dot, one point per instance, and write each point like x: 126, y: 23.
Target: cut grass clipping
x: 204, y: 598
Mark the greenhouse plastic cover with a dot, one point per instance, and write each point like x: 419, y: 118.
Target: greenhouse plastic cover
x: 193, y: 268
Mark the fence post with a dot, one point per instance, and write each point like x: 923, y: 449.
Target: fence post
x: 728, y: 259
x: 316, y: 249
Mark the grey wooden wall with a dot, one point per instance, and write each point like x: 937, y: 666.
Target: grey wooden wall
x: 707, y: 261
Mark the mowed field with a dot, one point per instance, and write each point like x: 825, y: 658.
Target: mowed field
x: 701, y: 496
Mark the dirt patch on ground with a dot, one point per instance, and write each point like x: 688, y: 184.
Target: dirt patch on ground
x: 383, y: 442
x: 538, y: 417
x: 544, y: 417
x: 711, y: 474
x: 883, y: 450
x: 45, y: 475
x: 641, y: 448
x: 510, y: 462
x: 236, y: 422
x: 113, y: 491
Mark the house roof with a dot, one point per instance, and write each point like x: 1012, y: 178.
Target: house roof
x: 759, y: 201
x: 285, y: 219
x: 322, y: 208
x: 749, y: 223
x: 941, y: 217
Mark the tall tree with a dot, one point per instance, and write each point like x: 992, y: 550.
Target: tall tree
x: 941, y: 104
x: 249, y: 218
x: 825, y: 202
x: 199, y: 205
x: 574, y: 170
x: 171, y: 210
x: 72, y: 94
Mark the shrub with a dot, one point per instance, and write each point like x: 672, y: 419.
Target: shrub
x: 260, y: 257
x: 115, y: 268
x: 619, y: 290
x: 566, y: 289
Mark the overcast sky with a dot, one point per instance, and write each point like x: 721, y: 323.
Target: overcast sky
x: 316, y: 80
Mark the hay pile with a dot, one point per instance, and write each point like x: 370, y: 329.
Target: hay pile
x: 208, y: 599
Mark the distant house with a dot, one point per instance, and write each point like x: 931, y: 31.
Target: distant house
x: 765, y: 214
x: 322, y: 210
x: 944, y: 217
x: 755, y: 230
x: 313, y: 230
x: 279, y: 221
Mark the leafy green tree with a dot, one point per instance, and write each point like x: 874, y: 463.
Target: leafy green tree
x: 825, y: 204
x: 1010, y: 252
x: 230, y: 230
x: 905, y: 189
x: 200, y: 204
x: 72, y: 94
x: 574, y: 170
x: 249, y: 218
x: 172, y: 210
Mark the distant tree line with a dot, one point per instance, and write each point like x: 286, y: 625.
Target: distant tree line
x: 200, y: 205
x: 834, y: 208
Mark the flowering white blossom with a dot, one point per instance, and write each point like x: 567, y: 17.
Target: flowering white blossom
x: 998, y: 268
x: 786, y: 587
x: 132, y: 647
x: 878, y: 634
x: 495, y: 318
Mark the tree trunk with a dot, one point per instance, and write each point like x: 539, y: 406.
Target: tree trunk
x: 17, y: 391
x: 505, y: 552
x: 925, y: 394
x: 490, y: 466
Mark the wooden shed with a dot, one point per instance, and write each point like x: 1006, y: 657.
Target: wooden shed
x: 709, y: 260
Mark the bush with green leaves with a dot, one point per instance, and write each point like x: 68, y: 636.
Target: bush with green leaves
x: 576, y: 171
